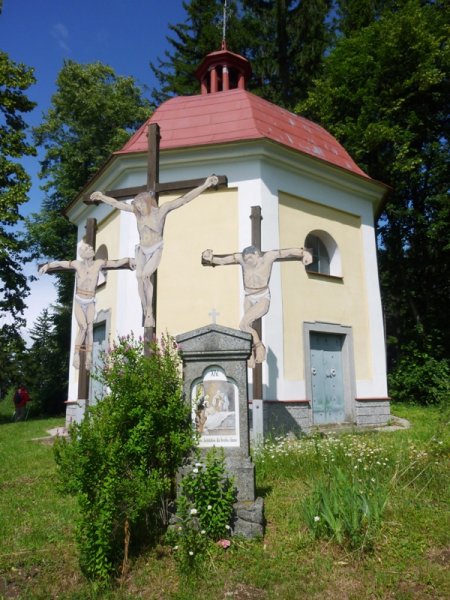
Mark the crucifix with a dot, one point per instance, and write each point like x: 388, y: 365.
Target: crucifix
x: 214, y: 314
x: 256, y: 271
x: 87, y: 270
x: 150, y: 220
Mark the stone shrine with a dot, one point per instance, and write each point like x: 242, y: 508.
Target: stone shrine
x: 215, y: 383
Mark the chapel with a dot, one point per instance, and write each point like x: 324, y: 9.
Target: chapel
x: 324, y: 332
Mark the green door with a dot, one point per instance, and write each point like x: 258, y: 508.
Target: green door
x: 326, y: 378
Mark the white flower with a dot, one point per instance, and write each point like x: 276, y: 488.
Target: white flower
x: 175, y: 547
x: 209, y: 507
x: 227, y: 527
x: 193, y: 511
x: 191, y: 553
x: 316, y: 519
x: 203, y: 532
x: 195, y: 470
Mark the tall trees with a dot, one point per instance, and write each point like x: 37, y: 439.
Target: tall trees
x: 287, y: 43
x: 284, y: 40
x: 93, y: 113
x: 46, y: 365
x: 200, y: 34
x: 385, y: 93
x: 15, y: 79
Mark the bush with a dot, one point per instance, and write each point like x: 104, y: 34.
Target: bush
x: 419, y: 378
x: 121, y: 460
x: 204, y: 510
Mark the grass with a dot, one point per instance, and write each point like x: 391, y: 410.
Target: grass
x: 409, y: 559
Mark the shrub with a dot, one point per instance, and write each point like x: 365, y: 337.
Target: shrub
x: 204, y: 510
x: 121, y: 460
x: 420, y: 378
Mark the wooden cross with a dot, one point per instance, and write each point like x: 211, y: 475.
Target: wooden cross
x: 83, y: 373
x: 155, y: 188
x: 256, y: 219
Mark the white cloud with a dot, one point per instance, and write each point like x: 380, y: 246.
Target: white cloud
x: 61, y: 35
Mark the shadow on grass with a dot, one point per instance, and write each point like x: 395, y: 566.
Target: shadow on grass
x: 262, y: 491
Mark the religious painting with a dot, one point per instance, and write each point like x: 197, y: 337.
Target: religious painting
x: 215, y: 409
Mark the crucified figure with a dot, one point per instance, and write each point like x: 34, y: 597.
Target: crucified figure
x: 150, y: 220
x: 87, y: 273
x: 256, y: 271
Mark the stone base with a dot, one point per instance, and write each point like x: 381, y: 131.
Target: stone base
x: 276, y: 417
x: 74, y: 411
x: 248, y: 519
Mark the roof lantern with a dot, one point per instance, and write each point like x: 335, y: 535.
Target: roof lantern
x: 223, y: 70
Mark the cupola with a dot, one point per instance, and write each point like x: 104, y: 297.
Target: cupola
x: 222, y: 71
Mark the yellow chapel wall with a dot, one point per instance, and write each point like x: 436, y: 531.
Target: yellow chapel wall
x: 316, y: 298
x: 108, y: 233
x: 187, y: 291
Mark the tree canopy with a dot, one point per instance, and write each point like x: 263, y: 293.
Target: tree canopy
x: 284, y: 40
x: 15, y: 79
x: 93, y: 113
x: 385, y: 94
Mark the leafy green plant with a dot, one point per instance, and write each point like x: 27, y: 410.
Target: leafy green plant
x: 121, y: 460
x: 346, y: 507
x: 204, y: 510
x: 420, y: 378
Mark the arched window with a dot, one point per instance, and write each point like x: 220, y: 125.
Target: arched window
x: 326, y: 256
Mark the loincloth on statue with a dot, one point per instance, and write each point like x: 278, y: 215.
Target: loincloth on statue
x: 84, y: 302
x: 149, y: 251
x: 255, y: 297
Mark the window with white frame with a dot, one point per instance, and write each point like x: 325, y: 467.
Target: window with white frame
x: 325, y: 252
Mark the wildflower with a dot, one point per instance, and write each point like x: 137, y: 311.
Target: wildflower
x: 175, y: 547
x: 227, y: 527
x: 193, y: 511
x: 203, y: 532
x: 224, y: 544
x: 191, y: 553
x: 316, y: 519
x: 195, y: 470
x: 209, y: 507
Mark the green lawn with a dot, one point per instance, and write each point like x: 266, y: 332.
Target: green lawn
x: 409, y: 559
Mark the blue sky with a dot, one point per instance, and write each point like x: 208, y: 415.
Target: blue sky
x: 125, y: 34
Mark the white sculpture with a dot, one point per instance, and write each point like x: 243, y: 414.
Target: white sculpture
x: 87, y: 274
x: 150, y: 220
x: 256, y: 271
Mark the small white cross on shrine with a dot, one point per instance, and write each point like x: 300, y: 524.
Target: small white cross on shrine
x: 214, y: 314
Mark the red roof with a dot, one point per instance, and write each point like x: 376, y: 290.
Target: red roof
x: 234, y: 116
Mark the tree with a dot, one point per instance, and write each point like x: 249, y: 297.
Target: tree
x: 385, y: 94
x: 46, y: 364
x: 15, y: 79
x: 284, y: 40
x: 200, y: 34
x: 93, y: 113
x: 287, y: 45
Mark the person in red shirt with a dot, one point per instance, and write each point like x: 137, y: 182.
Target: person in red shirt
x: 21, y: 398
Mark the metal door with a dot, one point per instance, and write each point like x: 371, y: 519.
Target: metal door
x: 326, y: 378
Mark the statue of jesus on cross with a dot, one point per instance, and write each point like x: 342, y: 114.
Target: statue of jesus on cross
x: 87, y: 270
x: 150, y: 220
x: 256, y: 271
